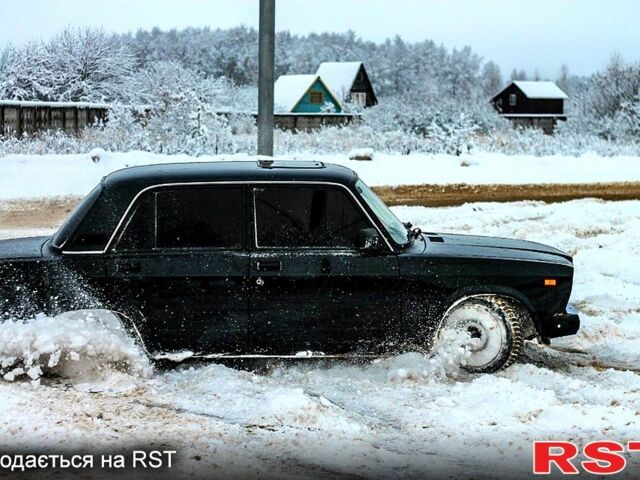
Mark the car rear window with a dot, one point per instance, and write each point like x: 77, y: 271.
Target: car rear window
x: 72, y: 222
x: 187, y: 218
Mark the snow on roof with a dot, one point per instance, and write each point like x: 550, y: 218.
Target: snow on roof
x: 339, y: 76
x: 540, y: 89
x: 289, y: 89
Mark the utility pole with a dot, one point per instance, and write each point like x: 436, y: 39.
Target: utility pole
x: 266, y: 54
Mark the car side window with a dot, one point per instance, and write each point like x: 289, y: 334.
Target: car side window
x: 186, y: 218
x: 307, y: 216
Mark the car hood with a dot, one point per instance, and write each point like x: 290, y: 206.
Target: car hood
x: 448, y: 244
x: 501, y: 243
x: 21, y: 248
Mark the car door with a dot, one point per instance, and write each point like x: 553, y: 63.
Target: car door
x: 180, y: 260
x: 312, y: 289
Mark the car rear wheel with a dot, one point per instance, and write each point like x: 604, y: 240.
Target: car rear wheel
x: 489, y: 328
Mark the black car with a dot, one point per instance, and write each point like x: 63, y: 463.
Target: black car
x: 275, y: 258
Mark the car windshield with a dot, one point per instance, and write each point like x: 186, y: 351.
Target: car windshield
x: 395, y: 227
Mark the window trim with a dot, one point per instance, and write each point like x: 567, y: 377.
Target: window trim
x: 513, y: 99
x: 339, y: 248
x: 232, y: 182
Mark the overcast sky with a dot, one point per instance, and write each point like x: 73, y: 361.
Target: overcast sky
x: 526, y: 34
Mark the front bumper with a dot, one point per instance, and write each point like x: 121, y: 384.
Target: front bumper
x: 562, y: 324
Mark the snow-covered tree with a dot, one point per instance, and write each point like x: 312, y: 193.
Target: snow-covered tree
x: 76, y: 65
x: 491, y: 78
x: 91, y: 65
x: 28, y: 74
x: 608, y: 106
x: 518, y: 75
x: 191, y: 127
x: 564, y: 79
x: 328, y: 107
x: 164, y: 83
x: 6, y: 57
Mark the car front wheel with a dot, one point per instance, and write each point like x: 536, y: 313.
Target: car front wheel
x: 489, y: 328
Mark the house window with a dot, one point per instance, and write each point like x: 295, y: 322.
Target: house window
x: 513, y: 99
x: 359, y: 98
x: 317, y: 98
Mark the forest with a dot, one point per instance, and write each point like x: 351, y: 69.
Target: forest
x: 431, y: 98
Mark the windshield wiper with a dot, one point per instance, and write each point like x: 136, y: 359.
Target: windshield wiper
x: 414, y: 233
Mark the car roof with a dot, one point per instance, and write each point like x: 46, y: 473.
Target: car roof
x: 101, y: 211
x: 231, y: 171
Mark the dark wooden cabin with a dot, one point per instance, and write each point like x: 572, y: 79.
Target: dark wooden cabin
x: 531, y: 104
x: 349, y: 81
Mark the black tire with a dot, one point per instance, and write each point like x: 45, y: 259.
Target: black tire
x: 495, y: 327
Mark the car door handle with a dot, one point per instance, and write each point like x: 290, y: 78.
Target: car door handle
x: 269, y: 266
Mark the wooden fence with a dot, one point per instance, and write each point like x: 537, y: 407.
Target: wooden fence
x: 27, y: 117
x: 20, y: 117
x: 302, y: 122
x: 311, y: 121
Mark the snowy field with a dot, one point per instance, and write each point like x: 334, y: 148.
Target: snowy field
x: 78, y: 174
x: 409, y: 416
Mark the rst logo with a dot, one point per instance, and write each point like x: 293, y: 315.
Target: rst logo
x: 601, y: 458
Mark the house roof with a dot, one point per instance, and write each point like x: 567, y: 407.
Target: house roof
x: 289, y: 90
x: 339, y: 76
x: 540, y: 89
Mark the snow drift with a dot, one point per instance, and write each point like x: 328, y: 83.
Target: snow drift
x: 410, y: 415
x: 78, y: 345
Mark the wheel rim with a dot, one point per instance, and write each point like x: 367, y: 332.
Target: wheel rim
x: 479, y: 330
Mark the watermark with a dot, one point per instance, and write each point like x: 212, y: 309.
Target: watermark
x: 603, y: 457
x: 136, y: 459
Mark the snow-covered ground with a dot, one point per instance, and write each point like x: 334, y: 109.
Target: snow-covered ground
x: 78, y: 174
x: 408, y: 416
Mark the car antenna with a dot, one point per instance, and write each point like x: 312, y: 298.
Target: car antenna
x: 265, y: 162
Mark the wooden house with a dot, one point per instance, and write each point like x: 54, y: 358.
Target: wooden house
x: 531, y: 104
x: 349, y: 81
x: 304, y: 94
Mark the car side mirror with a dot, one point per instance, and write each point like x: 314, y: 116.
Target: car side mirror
x: 370, y: 240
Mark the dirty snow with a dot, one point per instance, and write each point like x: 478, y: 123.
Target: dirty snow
x: 78, y: 174
x: 409, y: 416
